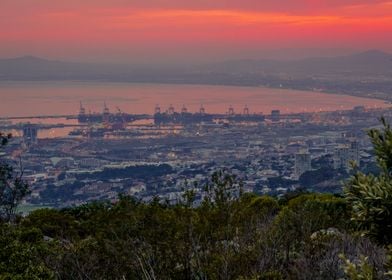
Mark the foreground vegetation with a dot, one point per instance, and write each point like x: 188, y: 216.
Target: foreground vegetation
x: 250, y: 237
x: 231, y: 235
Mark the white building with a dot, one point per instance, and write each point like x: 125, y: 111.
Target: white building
x: 344, y: 155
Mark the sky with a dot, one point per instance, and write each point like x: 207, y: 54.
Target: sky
x: 161, y: 31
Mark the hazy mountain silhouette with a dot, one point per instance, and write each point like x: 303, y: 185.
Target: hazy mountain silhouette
x: 371, y: 63
x: 34, y: 68
x: 30, y: 67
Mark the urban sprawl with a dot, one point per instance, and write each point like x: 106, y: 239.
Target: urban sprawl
x: 165, y: 154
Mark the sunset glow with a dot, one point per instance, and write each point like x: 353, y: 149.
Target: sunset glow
x: 130, y: 30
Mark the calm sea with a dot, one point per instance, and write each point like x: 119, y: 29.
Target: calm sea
x: 54, y: 98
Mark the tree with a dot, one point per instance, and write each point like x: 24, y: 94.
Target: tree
x: 370, y: 196
x: 4, y: 138
x: 12, y: 187
x: 222, y: 189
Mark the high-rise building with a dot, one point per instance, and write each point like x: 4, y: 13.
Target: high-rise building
x: 354, y: 151
x: 302, y: 163
x: 344, y: 155
x: 30, y: 133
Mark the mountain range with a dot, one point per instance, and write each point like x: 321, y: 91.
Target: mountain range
x: 372, y: 63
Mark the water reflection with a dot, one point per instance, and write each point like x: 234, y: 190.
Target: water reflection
x: 62, y: 98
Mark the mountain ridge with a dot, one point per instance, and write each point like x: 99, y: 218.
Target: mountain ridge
x: 28, y: 67
x: 372, y: 53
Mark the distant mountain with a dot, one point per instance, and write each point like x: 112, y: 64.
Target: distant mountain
x: 29, y: 67
x: 371, y: 63
x: 372, y: 55
x: 34, y: 68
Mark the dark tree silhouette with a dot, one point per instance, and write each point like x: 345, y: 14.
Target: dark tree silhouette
x: 12, y: 187
x: 371, y: 196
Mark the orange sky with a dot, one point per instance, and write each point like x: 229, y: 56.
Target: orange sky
x: 181, y: 30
